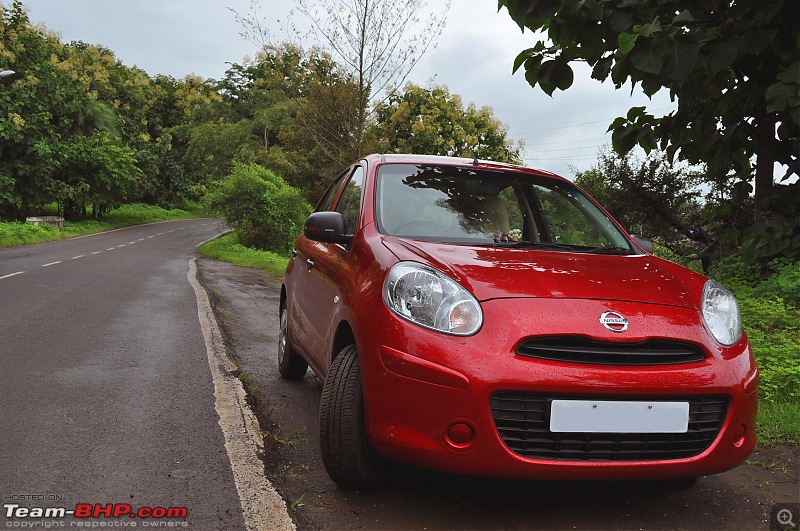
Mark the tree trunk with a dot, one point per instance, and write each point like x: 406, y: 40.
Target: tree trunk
x: 765, y: 163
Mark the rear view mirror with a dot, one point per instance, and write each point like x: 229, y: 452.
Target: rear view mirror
x: 327, y: 227
x: 645, y: 243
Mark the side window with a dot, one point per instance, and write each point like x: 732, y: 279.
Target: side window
x: 351, y: 200
x: 567, y: 223
x: 330, y: 195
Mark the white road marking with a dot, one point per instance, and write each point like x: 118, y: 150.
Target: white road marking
x: 262, y: 506
x: 110, y: 249
x: 140, y: 240
x: 149, y: 237
x: 79, y: 256
x: 97, y: 252
x: 12, y: 275
x: 51, y: 263
x: 131, y: 243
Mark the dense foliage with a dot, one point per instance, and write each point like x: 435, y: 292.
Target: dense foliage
x: 733, y: 69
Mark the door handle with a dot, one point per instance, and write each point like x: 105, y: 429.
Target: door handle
x: 310, y: 263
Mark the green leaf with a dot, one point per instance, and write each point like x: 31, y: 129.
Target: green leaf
x: 683, y: 16
x: 518, y: 9
x: 627, y: 41
x: 647, y: 30
x: 634, y: 113
x: 723, y: 56
x: 623, y: 139
x: 680, y: 59
x: 777, y: 96
x: 545, y: 77
x: 562, y: 75
x: 648, y: 57
x: 532, y: 66
x: 602, y: 68
x: 791, y: 74
x: 521, y: 58
x: 620, y: 20
x: 618, y: 122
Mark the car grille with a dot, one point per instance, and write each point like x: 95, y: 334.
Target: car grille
x: 583, y: 350
x: 523, y: 422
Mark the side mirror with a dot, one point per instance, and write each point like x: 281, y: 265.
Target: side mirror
x: 645, y: 243
x: 327, y: 227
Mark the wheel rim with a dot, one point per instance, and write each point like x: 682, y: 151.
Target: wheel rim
x: 282, y: 337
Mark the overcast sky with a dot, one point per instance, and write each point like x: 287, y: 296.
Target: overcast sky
x: 474, y: 58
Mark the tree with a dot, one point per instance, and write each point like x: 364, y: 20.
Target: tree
x: 654, y: 198
x: 732, y: 67
x: 79, y: 128
x: 376, y: 43
x: 434, y: 122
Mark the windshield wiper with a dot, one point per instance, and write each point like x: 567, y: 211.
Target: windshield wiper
x: 609, y: 249
x: 536, y: 245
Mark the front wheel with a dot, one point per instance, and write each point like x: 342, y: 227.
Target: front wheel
x: 290, y: 364
x: 346, y: 454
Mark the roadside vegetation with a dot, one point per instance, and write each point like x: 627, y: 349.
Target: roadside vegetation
x: 228, y: 249
x: 19, y: 233
x: 115, y: 146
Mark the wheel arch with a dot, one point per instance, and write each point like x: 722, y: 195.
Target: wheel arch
x: 343, y: 337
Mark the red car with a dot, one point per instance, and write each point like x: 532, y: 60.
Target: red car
x: 493, y: 320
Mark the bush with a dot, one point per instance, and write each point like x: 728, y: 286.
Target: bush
x: 266, y: 212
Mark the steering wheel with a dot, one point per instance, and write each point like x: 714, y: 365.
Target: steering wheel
x: 419, y: 221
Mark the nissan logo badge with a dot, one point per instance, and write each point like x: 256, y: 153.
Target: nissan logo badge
x: 614, y: 321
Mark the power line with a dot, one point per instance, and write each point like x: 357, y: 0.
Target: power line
x: 571, y: 141
x: 577, y: 125
x: 566, y: 149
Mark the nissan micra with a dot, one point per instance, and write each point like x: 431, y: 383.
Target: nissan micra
x: 492, y: 320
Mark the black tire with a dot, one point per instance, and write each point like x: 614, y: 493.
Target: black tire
x: 290, y: 364
x: 346, y: 454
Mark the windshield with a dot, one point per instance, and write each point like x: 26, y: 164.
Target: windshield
x: 484, y: 207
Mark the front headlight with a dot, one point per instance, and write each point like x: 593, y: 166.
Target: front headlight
x: 721, y: 313
x: 430, y: 298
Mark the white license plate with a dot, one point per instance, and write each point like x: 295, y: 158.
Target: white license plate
x: 608, y: 416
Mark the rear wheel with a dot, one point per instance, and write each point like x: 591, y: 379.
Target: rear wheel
x: 346, y: 454
x: 290, y: 364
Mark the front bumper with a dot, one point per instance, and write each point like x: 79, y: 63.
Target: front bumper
x: 430, y: 397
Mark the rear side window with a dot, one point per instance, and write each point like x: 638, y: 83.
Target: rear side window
x: 330, y: 195
x: 349, y: 204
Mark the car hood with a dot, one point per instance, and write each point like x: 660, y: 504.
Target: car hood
x: 497, y: 273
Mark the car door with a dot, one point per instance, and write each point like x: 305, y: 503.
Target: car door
x: 298, y: 273
x: 322, y: 262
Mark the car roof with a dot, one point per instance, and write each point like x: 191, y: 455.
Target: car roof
x: 408, y: 158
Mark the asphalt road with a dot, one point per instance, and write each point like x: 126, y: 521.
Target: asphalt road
x: 107, y: 396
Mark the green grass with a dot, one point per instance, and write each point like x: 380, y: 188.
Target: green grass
x: 228, y: 249
x: 17, y: 233
x: 778, y: 422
